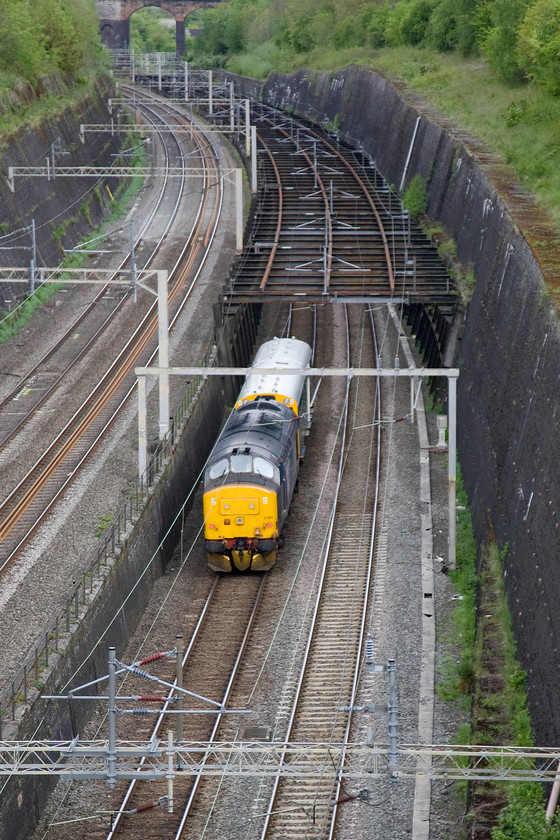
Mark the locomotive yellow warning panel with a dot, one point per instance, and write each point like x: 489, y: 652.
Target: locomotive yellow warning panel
x: 229, y: 508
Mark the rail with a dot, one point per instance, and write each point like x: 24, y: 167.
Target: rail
x: 27, y: 683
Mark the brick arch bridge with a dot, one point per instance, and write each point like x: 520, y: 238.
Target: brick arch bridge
x: 114, y: 18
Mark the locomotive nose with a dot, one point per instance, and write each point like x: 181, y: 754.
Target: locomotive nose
x: 241, y: 557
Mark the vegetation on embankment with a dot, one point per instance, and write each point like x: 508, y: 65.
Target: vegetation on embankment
x: 50, y: 52
x: 492, y: 66
x: 481, y: 673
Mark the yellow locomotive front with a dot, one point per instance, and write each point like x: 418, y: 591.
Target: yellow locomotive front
x: 241, y: 527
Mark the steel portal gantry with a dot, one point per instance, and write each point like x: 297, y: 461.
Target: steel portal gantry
x: 416, y: 375
x: 88, y: 760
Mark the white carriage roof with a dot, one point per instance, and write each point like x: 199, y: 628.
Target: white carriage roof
x: 279, y: 353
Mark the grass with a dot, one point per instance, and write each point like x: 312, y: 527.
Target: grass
x: 105, y: 522
x: 13, y: 321
x: 519, y: 123
x: 482, y: 673
x: 49, y: 107
x: 456, y: 679
x: 500, y: 708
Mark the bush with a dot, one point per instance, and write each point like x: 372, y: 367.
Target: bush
x: 538, y: 44
x: 395, y: 20
x: 372, y: 22
x: 415, y: 197
x: 42, y: 37
x: 498, y: 37
x: 148, y: 32
x: 525, y: 818
x: 416, y: 21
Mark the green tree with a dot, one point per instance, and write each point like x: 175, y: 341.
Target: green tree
x: 20, y: 55
x: 538, y: 44
x: 59, y: 37
x: 47, y: 37
x: 452, y: 26
x: 396, y: 16
x: 498, y: 28
x: 373, y: 23
x: 415, y: 23
x: 150, y: 33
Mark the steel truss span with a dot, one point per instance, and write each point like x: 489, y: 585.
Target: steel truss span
x: 88, y: 760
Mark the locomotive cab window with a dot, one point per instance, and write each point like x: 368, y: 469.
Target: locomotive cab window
x: 264, y: 468
x: 241, y: 463
x: 218, y: 469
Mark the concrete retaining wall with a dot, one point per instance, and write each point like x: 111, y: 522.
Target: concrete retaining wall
x: 124, y: 595
x: 64, y: 209
x: 509, y: 402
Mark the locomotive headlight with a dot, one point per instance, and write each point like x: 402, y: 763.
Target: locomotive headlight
x: 257, y: 532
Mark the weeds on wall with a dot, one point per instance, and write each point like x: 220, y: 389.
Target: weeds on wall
x: 457, y: 677
x: 500, y: 712
x: 463, y: 275
x: 415, y: 197
x: 13, y: 321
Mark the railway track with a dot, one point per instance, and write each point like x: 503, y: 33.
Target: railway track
x: 57, y: 362
x: 328, y: 227
x: 323, y: 664
x: 310, y: 708
x: 328, y: 678
x: 231, y: 606
x: 301, y: 657
x: 28, y: 502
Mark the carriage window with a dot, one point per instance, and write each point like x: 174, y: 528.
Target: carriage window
x: 219, y: 468
x: 241, y: 463
x: 262, y: 467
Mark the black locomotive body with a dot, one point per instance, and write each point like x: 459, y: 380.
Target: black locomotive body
x: 252, y: 472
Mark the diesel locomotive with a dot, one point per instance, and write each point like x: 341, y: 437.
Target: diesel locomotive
x: 251, y: 475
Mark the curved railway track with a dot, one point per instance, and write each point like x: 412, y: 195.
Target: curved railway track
x: 344, y: 234
x: 57, y: 362
x: 311, y: 704
x: 27, y: 503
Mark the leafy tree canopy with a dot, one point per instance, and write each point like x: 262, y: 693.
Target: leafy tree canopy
x: 152, y: 30
x: 47, y: 38
x: 520, y: 39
